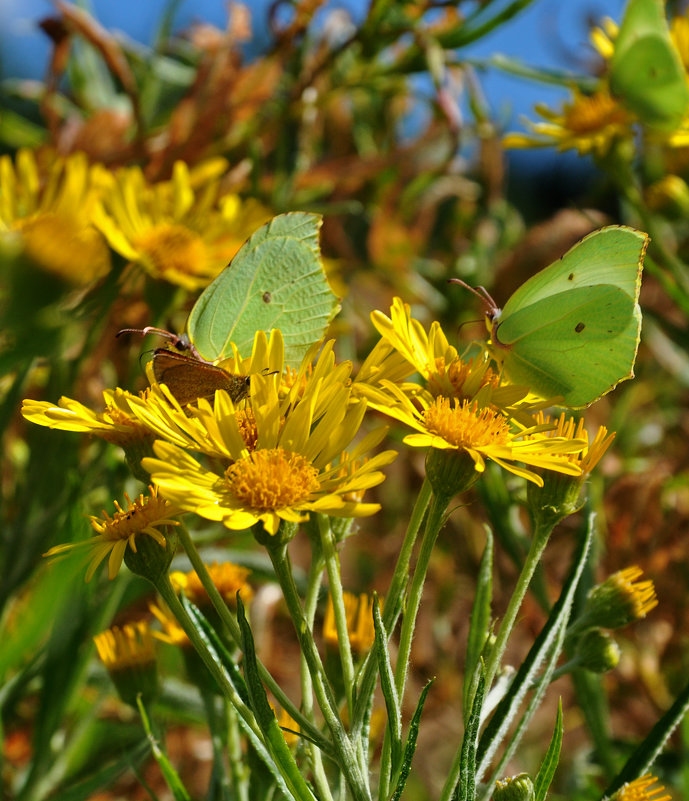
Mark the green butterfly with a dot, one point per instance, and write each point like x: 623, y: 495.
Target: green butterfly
x: 646, y: 71
x: 572, y: 330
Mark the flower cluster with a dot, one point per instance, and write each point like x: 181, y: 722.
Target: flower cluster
x: 62, y: 213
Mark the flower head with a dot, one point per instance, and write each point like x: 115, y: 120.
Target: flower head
x: 359, y: 614
x: 184, y: 230
x: 641, y: 789
x: 619, y: 600
x: 49, y: 205
x: 128, y: 654
x: 587, y: 124
x: 480, y: 433
x: 297, y: 465
x: 227, y: 577
x: 145, y: 515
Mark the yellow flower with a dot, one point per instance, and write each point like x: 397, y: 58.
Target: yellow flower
x: 587, y: 124
x: 116, y: 424
x: 227, y: 577
x: 128, y: 654
x: 359, y: 614
x: 437, y: 362
x: 185, y: 230
x: 172, y: 633
x: 481, y: 433
x: 145, y: 515
x: 619, y: 600
x: 296, y: 467
x: 49, y: 208
x: 127, y: 647
x: 568, y: 428
x: 641, y: 789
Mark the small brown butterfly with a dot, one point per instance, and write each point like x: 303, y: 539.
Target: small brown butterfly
x: 189, y: 377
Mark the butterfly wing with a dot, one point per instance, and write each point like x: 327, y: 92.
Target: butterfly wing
x: 578, y: 344
x: 611, y: 255
x: 190, y: 379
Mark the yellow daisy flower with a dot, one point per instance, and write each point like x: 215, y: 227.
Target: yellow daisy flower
x: 586, y: 123
x: 641, y: 789
x: 185, y: 230
x: 115, y: 424
x: 480, y: 432
x: 129, y: 656
x: 172, y: 633
x: 49, y: 206
x: 145, y: 515
x: 359, y: 613
x: 443, y: 371
x: 227, y: 577
x: 297, y: 466
x: 568, y: 428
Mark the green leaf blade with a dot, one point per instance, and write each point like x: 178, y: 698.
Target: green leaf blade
x: 551, y: 758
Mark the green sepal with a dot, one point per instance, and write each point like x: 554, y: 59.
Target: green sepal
x: 551, y: 759
x: 410, y: 745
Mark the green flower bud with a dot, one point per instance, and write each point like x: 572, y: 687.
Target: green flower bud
x: 516, y: 788
x: 597, y: 651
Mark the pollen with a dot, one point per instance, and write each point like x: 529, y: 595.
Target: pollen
x: 173, y: 249
x: 465, y: 425
x: 590, y: 114
x: 141, y: 516
x: 272, y: 479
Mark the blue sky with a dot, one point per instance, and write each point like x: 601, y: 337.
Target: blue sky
x: 549, y: 33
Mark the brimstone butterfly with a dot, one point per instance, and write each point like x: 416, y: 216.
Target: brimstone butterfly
x: 646, y: 70
x: 572, y: 330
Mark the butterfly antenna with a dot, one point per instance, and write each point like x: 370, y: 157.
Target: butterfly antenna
x: 181, y: 342
x: 481, y: 293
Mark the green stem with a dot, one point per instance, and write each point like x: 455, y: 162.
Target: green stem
x: 539, y: 540
x: 356, y: 779
x: 332, y: 564
x: 434, y: 522
x: 232, y: 627
x: 239, y: 772
x: 391, y: 607
x: 313, y: 588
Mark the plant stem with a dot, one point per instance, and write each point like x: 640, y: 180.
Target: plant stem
x: 232, y: 626
x: 356, y: 779
x: 332, y: 565
x: 539, y: 540
x: 391, y: 607
x: 434, y: 522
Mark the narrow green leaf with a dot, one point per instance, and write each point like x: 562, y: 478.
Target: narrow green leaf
x: 647, y: 752
x: 466, y: 789
x: 551, y: 759
x: 265, y: 716
x: 387, y: 686
x: 410, y: 745
x: 276, y: 280
x: 178, y: 790
x: 480, y: 621
x: 542, y: 649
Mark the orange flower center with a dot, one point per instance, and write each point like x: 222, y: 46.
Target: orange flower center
x: 465, y: 425
x: 591, y: 114
x: 272, y: 479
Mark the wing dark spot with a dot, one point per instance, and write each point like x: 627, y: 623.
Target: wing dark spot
x: 579, y: 327
x: 267, y: 297
x: 570, y: 277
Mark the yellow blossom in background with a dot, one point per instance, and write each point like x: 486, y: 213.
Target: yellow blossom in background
x: 481, y: 433
x: 48, y: 205
x: 145, y: 515
x: 227, y: 577
x: 568, y: 428
x: 641, y: 789
x: 184, y: 230
x: 129, y: 646
x: 619, y: 600
x: 294, y: 469
x: 172, y: 633
x: 586, y: 123
x: 359, y: 614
